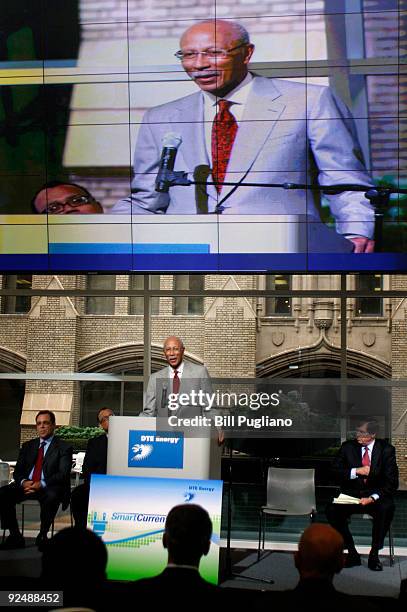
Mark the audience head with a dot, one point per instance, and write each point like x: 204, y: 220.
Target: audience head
x: 187, y: 534
x: 62, y: 198
x: 73, y: 555
x: 320, y: 552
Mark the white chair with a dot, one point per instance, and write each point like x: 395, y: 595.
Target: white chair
x: 77, y: 465
x: 290, y: 492
x: 4, y: 473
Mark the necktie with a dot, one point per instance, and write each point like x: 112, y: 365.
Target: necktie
x: 175, y: 382
x: 224, y: 130
x: 365, y: 460
x: 38, y: 463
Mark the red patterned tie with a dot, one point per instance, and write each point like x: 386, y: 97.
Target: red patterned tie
x: 175, y: 382
x: 38, y: 463
x: 365, y: 460
x: 224, y: 130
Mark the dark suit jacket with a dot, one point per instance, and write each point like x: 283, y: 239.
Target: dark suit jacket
x: 56, y: 467
x: 177, y: 588
x: 95, y: 461
x: 319, y: 594
x: 383, y: 478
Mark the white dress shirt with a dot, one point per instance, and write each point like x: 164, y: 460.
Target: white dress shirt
x: 179, y: 369
x: 362, y: 451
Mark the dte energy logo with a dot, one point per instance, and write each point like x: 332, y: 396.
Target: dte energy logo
x: 155, y: 449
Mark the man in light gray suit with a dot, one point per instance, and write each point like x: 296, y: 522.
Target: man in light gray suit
x: 178, y: 377
x: 285, y: 132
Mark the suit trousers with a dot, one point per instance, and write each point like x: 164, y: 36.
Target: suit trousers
x: 381, y: 511
x: 12, y: 494
x: 79, y: 505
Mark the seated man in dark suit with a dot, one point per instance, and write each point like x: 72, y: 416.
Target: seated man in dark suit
x: 365, y: 468
x: 187, y: 538
x: 42, y: 472
x: 95, y: 463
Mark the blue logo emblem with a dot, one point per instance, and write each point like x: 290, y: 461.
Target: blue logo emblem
x: 156, y: 449
x: 98, y: 522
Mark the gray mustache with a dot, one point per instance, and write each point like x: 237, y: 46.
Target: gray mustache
x: 208, y: 73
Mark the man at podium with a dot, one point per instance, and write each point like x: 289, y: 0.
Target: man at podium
x: 178, y: 377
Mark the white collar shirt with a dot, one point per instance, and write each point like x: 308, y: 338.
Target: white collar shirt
x: 180, y: 370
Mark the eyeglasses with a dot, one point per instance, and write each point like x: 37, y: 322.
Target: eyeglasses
x: 362, y: 434
x: 55, y: 208
x: 219, y: 54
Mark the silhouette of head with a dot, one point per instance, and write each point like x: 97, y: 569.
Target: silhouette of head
x: 187, y: 534
x: 320, y: 552
x: 74, y: 551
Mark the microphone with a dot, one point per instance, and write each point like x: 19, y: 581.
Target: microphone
x: 164, y: 397
x: 171, y: 142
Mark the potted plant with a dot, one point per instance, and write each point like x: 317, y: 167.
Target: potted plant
x: 78, y: 436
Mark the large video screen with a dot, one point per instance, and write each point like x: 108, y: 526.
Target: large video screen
x: 150, y: 136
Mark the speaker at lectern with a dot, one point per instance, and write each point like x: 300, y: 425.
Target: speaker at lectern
x: 137, y: 448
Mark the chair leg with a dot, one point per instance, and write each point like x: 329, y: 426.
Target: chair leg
x: 264, y: 530
x: 260, y: 530
x: 22, y: 519
x: 391, y: 546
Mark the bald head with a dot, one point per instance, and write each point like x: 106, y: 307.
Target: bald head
x: 227, y: 30
x: 174, y: 351
x: 216, y: 73
x: 320, y: 552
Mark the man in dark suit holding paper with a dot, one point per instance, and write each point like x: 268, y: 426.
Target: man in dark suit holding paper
x: 366, y: 469
x: 42, y: 472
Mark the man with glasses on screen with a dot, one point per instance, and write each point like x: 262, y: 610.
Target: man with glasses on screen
x: 366, y: 470
x: 243, y: 128
x: 59, y: 198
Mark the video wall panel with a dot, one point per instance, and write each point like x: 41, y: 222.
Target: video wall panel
x: 244, y: 137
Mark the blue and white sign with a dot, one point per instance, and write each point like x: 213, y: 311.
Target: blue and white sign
x: 156, y: 449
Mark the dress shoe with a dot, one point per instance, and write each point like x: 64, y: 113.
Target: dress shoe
x: 41, y: 541
x: 352, y: 560
x: 374, y: 564
x: 13, y: 541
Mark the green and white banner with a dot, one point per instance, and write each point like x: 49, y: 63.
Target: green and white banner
x: 129, y: 514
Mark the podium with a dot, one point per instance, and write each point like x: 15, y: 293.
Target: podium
x: 137, y: 448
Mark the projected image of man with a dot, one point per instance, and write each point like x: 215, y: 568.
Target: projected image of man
x: 245, y: 128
